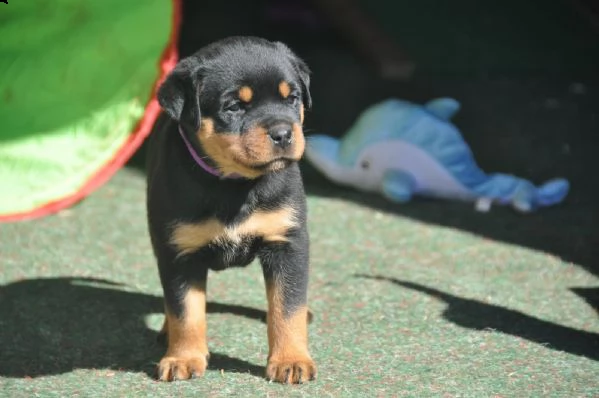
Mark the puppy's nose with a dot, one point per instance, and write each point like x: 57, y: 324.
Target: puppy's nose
x: 280, y: 136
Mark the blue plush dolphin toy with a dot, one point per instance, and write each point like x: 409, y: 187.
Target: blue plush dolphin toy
x: 402, y: 149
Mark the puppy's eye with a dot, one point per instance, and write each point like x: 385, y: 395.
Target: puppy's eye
x: 233, y: 107
x: 293, y: 99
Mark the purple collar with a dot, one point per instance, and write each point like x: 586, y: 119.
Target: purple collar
x: 200, y: 161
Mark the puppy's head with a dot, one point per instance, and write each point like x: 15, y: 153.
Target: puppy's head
x: 242, y: 101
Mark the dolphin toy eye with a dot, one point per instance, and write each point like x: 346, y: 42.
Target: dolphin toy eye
x: 365, y: 164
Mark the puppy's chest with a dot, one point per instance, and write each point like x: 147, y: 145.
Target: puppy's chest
x: 233, y: 242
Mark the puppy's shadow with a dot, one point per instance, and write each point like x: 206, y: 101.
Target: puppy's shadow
x: 53, y: 326
x: 476, y: 315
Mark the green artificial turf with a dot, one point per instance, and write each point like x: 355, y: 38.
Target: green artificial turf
x: 402, y: 308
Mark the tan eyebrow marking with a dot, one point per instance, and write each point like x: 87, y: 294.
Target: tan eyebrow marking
x: 245, y: 94
x: 284, y: 89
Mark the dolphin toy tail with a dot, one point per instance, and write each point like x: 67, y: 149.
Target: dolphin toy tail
x: 522, y: 194
x: 552, y: 192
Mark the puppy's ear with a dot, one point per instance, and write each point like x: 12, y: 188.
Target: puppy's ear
x: 179, y: 94
x: 302, y: 71
x: 304, y: 74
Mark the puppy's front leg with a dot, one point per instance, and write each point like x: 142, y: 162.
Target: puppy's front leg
x: 285, y: 267
x: 185, y: 327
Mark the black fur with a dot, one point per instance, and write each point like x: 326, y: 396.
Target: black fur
x: 202, y: 86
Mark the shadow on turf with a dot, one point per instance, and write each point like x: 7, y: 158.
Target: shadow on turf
x: 473, y: 314
x: 56, y: 325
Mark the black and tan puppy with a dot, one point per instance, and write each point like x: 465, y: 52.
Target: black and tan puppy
x: 224, y: 187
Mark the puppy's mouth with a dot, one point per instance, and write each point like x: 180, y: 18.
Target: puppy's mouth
x: 272, y: 165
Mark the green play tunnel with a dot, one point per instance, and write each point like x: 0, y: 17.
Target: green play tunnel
x: 77, y: 82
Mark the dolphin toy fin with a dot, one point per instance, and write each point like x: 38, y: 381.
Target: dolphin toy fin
x: 443, y: 108
x: 398, y: 186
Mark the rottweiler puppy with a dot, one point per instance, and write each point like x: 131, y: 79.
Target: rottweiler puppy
x: 224, y: 188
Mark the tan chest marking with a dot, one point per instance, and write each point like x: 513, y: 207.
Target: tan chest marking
x: 272, y: 226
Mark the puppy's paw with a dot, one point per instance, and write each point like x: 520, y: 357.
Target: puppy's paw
x: 175, y: 368
x: 292, y: 370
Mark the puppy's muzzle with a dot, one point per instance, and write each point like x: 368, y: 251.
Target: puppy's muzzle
x: 281, y: 135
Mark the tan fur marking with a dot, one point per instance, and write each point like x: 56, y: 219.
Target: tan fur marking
x: 300, y: 141
x: 236, y: 153
x: 224, y: 149
x: 289, y: 360
x: 187, y: 335
x: 189, y: 237
x: 245, y: 94
x: 284, y: 89
x: 257, y: 145
x: 187, y: 351
x: 272, y: 226
x: 302, y: 113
